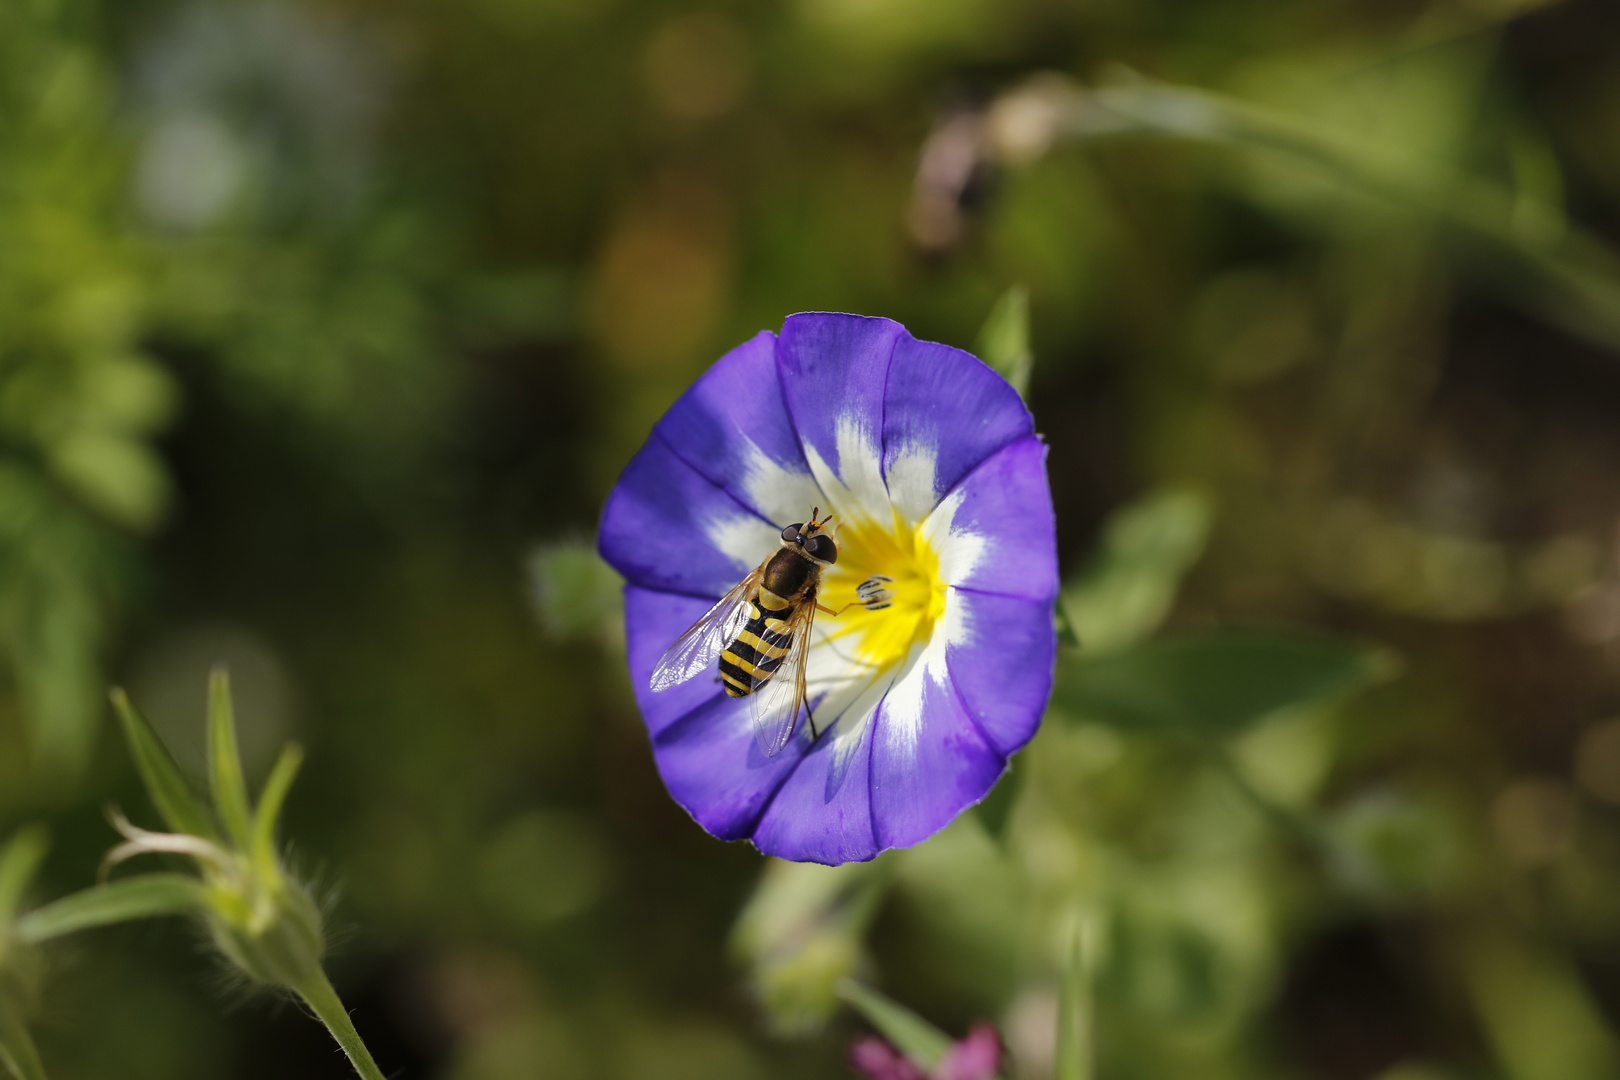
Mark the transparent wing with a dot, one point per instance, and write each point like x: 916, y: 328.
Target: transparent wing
x: 775, y: 704
x: 696, y: 650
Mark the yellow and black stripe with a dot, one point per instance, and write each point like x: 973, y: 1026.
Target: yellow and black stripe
x: 754, y: 655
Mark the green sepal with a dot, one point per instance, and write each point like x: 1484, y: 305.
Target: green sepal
x: 225, y: 777
x: 271, y: 800
x: 174, y: 798
x: 132, y: 898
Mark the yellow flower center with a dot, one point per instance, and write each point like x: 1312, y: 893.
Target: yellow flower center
x: 891, y: 574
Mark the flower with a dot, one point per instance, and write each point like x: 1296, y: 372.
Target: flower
x: 976, y: 1057
x: 930, y: 463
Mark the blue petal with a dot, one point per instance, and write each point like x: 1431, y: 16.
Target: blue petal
x: 703, y: 741
x: 924, y: 775
x: 730, y: 418
x: 1004, y: 674
x: 713, y: 766
x: 823, y: 812
x: 658, y: 524
x: 834, y: 368
x: 944, y: 406
x: 652, y: 622
x: 1007, y: 501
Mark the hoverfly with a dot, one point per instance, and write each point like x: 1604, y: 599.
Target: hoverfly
x: 760, y: 632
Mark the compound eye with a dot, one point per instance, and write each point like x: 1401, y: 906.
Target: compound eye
x: 791, y: 533
x: 822, y: 547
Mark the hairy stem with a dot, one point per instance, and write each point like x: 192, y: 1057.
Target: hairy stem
x: 318, y: 993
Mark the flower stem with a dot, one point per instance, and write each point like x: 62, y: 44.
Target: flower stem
x: 318, y: 993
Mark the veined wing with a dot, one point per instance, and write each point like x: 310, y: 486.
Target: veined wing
x: 700, y: 646
x: 775, y: 705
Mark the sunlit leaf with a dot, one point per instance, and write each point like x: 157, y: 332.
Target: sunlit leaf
x: 1215, y: 683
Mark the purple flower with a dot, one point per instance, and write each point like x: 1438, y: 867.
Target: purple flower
x: 977, y: 1057
x: 931, y: 464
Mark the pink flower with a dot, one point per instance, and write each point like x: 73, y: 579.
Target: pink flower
x: 977, y: 1057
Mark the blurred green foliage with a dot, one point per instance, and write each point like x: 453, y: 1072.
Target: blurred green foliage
x: 326, y: 325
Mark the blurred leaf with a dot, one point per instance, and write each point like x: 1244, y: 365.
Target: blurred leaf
x: 139, y: 897
x: 913, y: 1036
x: 1573, y: 278
x: 179, y: 806
x: 1075, y: 1054
x: 17, y: 1052
x: 225, y: 764
x: 19, y: 862
x: 1004, y: 340
x: 1065, y: 626
x: 1537, y: 1013
x: 575, y: 592
x: 1213, y: 684
x: 801, y: 936
x: 1131, y: 582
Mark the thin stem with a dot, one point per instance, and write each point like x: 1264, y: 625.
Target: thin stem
x: 318, y: 993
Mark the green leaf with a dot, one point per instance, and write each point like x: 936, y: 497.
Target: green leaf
x: 17, y: 1053
x: 168, y: 789
x: 576, y: 594
x: 1130, y: 584
x: 225, y: 763
x: 19, y: 862
x: 270, y: 803
x: 921, y: 1042
x: 1074, y: 1056
x: 1004, y: 340
x: 140, y: 897
x: 1214, y: 684
x: 1572, y: 274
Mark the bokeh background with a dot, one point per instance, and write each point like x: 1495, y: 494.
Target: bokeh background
x: 326, y: 326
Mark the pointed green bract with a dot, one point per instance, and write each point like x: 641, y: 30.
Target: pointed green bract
x: 225, y: 763
x: 271, y: 800
x: 174, y: 798
x: 923, y: 1043
x: 140, y: 897
x: 1004, y: 341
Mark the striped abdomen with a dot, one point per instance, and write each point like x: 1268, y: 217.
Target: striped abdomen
x: 753, y: 656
